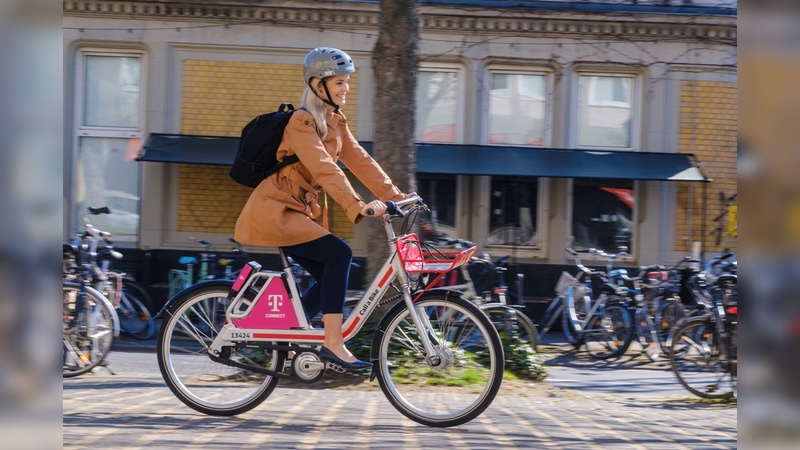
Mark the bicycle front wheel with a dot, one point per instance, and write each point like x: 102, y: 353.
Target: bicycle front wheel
x: 88, y: 330
x: 669, y: 313
x: 134, y: 318
x: 699, y: 361
x: 460, y: 382
x: 514, y: 326
x: 610, y: 333
x: 190, y: 324
x: 647, y: 334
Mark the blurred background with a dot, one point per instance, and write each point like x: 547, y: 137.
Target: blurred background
x: 769, y: 220
x: 30, y: 222
x: 31, y: 202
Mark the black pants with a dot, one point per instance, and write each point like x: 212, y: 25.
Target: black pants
x: 328, y: 260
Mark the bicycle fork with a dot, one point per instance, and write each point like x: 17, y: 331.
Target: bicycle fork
x: 423, y: 326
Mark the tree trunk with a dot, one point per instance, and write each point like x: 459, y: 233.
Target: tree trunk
x: 394, y: 60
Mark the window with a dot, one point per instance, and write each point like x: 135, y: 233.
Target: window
x: 517, y: 109
x: 606, y: 110
x: 437, y: 106
x: 602, y: 214
x: 513, y: 211
x: 439, y: 193
x: 108, y: 139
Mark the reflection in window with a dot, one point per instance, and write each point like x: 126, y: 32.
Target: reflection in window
x: 517, y: 109
x: 439, y: 193
x: 512, y: 218
x: 437, y: 106
x: 106, y: 177
x: 605, y: 111
x: 111, y: 91
x: 602, y: 214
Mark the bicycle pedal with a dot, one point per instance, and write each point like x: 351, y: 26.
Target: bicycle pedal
x: 336, y: 368
x: 339, y: 369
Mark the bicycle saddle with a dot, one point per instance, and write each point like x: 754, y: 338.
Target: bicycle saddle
x: 187, y: 260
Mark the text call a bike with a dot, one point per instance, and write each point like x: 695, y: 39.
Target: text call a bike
x: 222, y: 345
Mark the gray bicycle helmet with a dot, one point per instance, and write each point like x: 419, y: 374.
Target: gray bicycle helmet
x: 323, y: 62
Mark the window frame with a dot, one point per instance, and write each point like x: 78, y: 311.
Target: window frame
x: 460, y: 96
x: 637, y: 109
x: 81, y: 131
x: 549, y: 110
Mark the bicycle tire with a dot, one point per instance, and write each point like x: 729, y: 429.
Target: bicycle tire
x: 609, y: 334
x: 669, y: 313
x: 88, y: 336
x: 134, y: 317
x: 647, y: 334
x: 549, y: 317
x: 702, y: 366
x: 139, y: 291
x: 472, y: 353
x: 575, y: 311
x: 514, y: 323
x: 190, y: 324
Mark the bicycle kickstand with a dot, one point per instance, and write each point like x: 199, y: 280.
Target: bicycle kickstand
x: 105, y: 365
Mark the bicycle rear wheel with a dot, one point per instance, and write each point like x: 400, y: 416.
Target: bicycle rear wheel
x: 134, y: 318
x: 609, y: 333
x: 190, y: 324
x: 88, y: 330
x: 513, y: 325
x: 699, y: 361
x: 139, y: 291
x: 458, y: 386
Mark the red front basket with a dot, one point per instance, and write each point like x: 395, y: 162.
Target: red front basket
x: 419, y: 257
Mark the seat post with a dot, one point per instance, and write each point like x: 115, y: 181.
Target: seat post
x: 284, y: 259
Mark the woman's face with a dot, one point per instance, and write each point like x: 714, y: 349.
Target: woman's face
x: 338, y: 86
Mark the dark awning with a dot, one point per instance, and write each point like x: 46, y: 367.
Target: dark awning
x: 467, y: 159
x: 190, y: 149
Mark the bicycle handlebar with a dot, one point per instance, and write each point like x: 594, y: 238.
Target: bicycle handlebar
x: 394, y: 209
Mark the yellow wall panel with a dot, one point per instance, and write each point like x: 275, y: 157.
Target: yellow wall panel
x: 219, y: 98
x: 708, y: 127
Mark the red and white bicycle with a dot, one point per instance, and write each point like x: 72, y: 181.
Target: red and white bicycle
x: 223, y: 345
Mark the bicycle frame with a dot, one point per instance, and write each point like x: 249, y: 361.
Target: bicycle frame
x: 271, y: 316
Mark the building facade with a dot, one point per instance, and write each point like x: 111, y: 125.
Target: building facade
x: 540, y: 125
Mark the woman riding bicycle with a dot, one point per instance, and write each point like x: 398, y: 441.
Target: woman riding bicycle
x: 283, y: 209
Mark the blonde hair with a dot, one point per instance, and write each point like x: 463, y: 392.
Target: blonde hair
x: 316, y: 108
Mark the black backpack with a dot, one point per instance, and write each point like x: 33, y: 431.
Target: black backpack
x: 256, y: 157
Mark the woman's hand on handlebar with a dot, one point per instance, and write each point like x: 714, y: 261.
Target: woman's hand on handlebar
x: 374, y: 208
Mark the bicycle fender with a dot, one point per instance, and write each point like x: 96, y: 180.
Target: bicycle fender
x: 203, y: 284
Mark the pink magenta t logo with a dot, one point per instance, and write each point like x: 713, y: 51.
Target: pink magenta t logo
x: 275, y: 302
x: 273, y: 309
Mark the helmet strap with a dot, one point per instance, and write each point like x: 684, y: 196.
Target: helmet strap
x: 327, y: 101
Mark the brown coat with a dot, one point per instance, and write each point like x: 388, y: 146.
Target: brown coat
x: 277, y: 215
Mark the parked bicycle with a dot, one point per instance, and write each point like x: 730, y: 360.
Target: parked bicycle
x: 206, y: 267
x: 573, y: 300
x: 704, y: 349
x: 492, y: 297
x: 129, y: 298
x: 90, y: 321
x: 222, y: 345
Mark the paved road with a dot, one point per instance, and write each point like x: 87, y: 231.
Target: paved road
x: 584, y: 404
